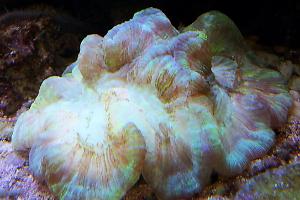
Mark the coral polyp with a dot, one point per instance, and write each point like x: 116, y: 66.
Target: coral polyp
x: 148, y: 100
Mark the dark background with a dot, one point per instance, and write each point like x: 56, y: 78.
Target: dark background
x: 274, y: 22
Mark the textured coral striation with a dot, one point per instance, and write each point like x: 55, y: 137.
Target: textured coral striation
x: 146, y: 99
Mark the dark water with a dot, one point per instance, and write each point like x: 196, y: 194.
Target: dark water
x: 275, y: 22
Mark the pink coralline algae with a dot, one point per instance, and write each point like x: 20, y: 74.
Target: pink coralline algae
x: 148, y: 100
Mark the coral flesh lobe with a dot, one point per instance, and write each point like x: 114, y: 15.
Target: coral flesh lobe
x: 148, y: 100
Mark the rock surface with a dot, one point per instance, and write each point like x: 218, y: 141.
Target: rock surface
x: 282, y: 183
x: 16, y: 182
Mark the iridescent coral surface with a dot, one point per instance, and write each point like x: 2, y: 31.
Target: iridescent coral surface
x: 148, y: 100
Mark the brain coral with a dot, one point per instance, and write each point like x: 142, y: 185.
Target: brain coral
x: 146, y: 99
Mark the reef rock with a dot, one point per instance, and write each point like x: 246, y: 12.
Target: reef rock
x: 282, y: 183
